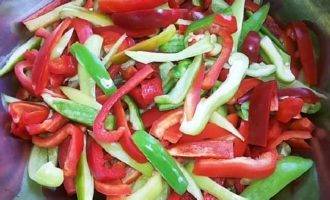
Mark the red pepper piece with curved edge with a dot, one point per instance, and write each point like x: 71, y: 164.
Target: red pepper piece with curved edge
x: 273, y: 27
x: 295, y: 143
x: 240, y: 167
x: 251, y: 46
x: 19, y: 130
x: 70, y: 185
x: 112, y: 189
x: 151, y: 88
x: 126, y: 141
x: 173, y: 134
x: 275, y: 129
x: 106, y: 30
x: 111, y: 6
x: 239, y: 145
x: 289, y: 108
x: 246, y: 86
x: 55, y: 80
x: 42, y: 32
x: 89, y: 4
x: 169, y: 119
x: 259, y: 112
x: 128, y: 73
x: 306, y: 52
x: 50, y: 125
x: 65, y: 65
x: 136, y: 94
x: 204, y: 149
x: 250, y: 5
x: 194, y: 95
x: 83, y: 29
x: 175, y: 3
x: 97, y: 165
x: 303, y: 124
x: 110, y: 38
x: 131, y: 176
x: 150, y: 116
x: 289, y: 135
x: 291, y: 49
x: 22, y: 93
x: 111, y: 136
x: 307, y: 95
x: 147, y: 19
x: 27, y: 113
x: 24, y: 80
x: 40, y: 70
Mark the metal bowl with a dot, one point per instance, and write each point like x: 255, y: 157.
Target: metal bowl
x: 14, y: 183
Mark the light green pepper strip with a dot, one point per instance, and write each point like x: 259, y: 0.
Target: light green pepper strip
x: 96, y: 18
x: 50, y: 17
x: 176, y: 44
x: 164, y: 107
x: 311, y: 108
x: 118, y: 152
x: 243, y: 111
x: 200, y: 47
x: 84, y: 179
x: 77, y: 112
x: 17, y: 54
x: 222, y: 95
x: 212, y: 187
x: 165, y: 191
x: 151, y: 190
x: 260, y: 70
x: 179, y: 92
x: 219, y: 5
x: 282, y: 64
x: 134, y: 114
x: 238, y: 11
x: 60, y: 46
x: 42, y: 170
x: 287, y: 170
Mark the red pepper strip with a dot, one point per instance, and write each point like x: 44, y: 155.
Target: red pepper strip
x: 27, y: 113
x: 131, y: 176
x: 295, y: 143
x: 83, y: 29
x: 70, y: 185
x: 112, y: 189
x: 289, y: 108
x: 70, y: 150
x: 147, y: 19
x: 150, y: 116
x: 204, y: 149
x: 250, y: 5
x: 110, y: 6
x: 194, y: 95
x: 111, y: 136
x: 213, y: 74
x: 19, y: 131
x: 22, y: 93
x: 47, y: 8
x: 291, y: 49
x: 50, y: 125
x: 114, y: 70
x: 273, y: 27
x: 246, y: 86
x: 55, y: 80
x: 260, y: 104
x: 65, y: 65
x: 169, y: 119
x: 173, y: 134
x: 22, y: 77
x: 289, y: 135
x: 175, y: 3
x: 306, y: 52
x: 239, y: 145
x: 136, y: 94
x: 307, y: 95
x: 275, y: 130
x: 128, y: 73
x: 151, y: 88
x: 174, y: 196
x: 126, y: 140
x: 40, y: 70
x: 42, y: 32
x: 130, y: 33
x: 303, y: 124
x: 96, y: 163
x: 31, y: 55
x: 241, y: 167
x: 251, y: 46
x: 89, y: 4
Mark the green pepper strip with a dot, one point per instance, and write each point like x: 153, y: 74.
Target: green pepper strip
x: 134, y: 114
x: 254, y: 23
x: 42, y: 167
x: 287, y: 170
x: 76, y: 112
x: 212, y: 187
x: 238, y: 12
x: 175, y: 45
x: 151, y: 190
x: 94, y: 67
x: 161, y: 160
x: 180, y: 90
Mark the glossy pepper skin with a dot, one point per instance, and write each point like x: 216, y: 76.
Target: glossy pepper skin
x: 83, y: 29
x: 287, y: 170
x: 161, y: 160
x: 52, y: 124
x: 110, y: 6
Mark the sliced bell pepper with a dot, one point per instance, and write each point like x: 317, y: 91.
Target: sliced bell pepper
x: 260, y: 70
x: 70, y: 185
x: 307, y: 95
x: 64, y: 65
x: 238, y: 11
x: 134, y: 114
x: 151, y: 88
x: 239, y: 145
x: 96, y: 162
x: 283, y: 175
x: 150, y: 116
x: 246, y: 86
x: 28, y: 113
x: 108, y: 31
x: 240, y: 167
x: 100, y: 133
x: 176, y: 44
x: 173, y: 134
x: 259, y: 112
x: 150, y: 190
x: 112, y: 189
x: 303, y: 124
x: 289, y: 108
x: 24, y: 80
x: 161, y: 160
x: 147, y: 19
x: 50, y: 125
x: 204, y: 149
x: 275, y: 129
x: 40, y: 70
x: 110, y: 6
x: 287, y: 135
x: 306, y: 52
x: 251, y: 46
x: 94, y: 67
x: 83, y: 29
x: 164, y: 122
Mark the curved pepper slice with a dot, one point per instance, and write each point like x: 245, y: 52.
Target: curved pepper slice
x: 100, y: 133
x: 289, y: 108
x: 40, y: 70
x: 110, y: 6
x: 24, y: 80
x: 113, y: 189
x: 27, y: 113
x: 240, y: 167
x: 287, y: 135
x: 52, y: 124
x: 83, y: 29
